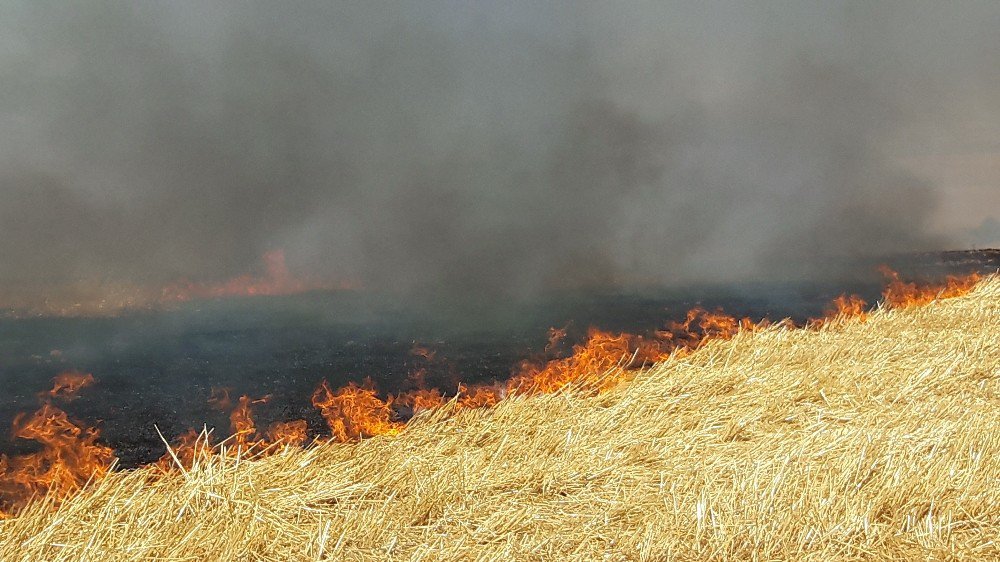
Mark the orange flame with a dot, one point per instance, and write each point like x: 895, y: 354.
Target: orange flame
x: 421, y: 399
x: 587, y: 365
x: 242, y: 425
x: 277, y: 280
x: 69, y: 455
x: 902, y: 294
x: 354, y: 412
x: 598, y: 364
x: 187, y: 447
x: 65, y: 385
x: 292, y: 433
x: 244, y: 439
x: 479, y: 396
x: 847, y: 306
x: 219, y: 398
x: 422, y: 351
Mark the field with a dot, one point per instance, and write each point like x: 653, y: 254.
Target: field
x: 874, y: 437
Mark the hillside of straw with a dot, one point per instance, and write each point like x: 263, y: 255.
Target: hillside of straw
x: 873, y: 438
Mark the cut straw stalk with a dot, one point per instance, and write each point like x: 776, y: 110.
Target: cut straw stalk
x: 857, y: 440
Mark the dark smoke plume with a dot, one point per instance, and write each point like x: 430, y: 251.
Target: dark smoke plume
x: 491, y: 148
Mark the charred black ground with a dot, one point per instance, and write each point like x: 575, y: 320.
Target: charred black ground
x: 160, y: 367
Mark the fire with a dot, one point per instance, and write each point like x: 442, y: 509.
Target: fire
x: 421, y: 399
x: 479, y: 396
x: 850, y: 306
x: 70, y: 454
x: 65, y: 385
x: 601, y: 362
x: 424, y: 352
x: 292, y: 433
x: 101, y: 298
x: 242, y: 426
x: 354, y: 412
x: 186, y: 447
x: 598, y: 364
x: 700, y: 325
x: 601, y: 353
x: 219, y: 398
x: 245, y: 440
x: 277, y: 280
x: 901, y: 294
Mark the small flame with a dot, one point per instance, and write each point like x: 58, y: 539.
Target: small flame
x: 421, y: 399
x: 244, y: 438
x: 847, y: 306
x: 354, y: 412
x: 65, y: 385
x: 242, y: 425
x: 292, y: 433
x: 219, y: 398
x: 424, y: 352
x: 902, y: 294
x: 187, y: 447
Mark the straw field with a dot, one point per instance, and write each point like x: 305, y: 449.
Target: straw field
x: 874, y: 439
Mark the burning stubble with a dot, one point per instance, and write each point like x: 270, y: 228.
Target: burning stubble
x: 70, y: 454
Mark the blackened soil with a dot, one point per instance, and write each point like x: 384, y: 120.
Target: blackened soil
x: 157, y: 370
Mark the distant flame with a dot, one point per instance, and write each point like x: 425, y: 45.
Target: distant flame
x: 242, y: 425
x: 424, y: 352
x: 65, y: 385
x: 277, y: 280
x: 848, y: 306
x: 101, y: 298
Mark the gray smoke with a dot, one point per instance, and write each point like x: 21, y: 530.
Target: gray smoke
x: 499, y: 147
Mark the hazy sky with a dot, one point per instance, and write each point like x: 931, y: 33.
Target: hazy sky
x: 492, y: 146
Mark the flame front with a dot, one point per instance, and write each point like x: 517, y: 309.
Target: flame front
x: 277, y: 280
x: 70, y: 454
x: 901, y: 294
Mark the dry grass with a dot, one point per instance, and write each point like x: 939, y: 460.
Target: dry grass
x: 877, y: 439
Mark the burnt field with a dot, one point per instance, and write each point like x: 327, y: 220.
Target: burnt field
x: 159, y: 368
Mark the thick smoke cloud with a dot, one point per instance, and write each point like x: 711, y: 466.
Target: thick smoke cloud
x: 494, y: 147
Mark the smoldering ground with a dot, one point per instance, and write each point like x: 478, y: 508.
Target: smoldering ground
x: 485, y: 148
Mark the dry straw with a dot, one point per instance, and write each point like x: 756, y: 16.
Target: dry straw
x: 859, y: 440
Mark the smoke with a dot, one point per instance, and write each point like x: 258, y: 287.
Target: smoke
x: 985, y: 235
x: 491, y: 148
